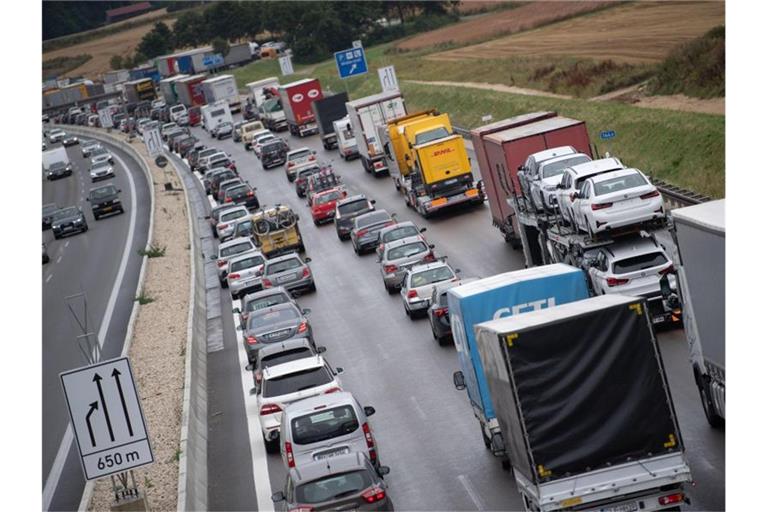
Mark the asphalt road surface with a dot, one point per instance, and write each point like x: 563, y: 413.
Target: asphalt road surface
x: 91, y: 262
x: 425, y: 429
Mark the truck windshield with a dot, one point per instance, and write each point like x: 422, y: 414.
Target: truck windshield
x: 429, y: 136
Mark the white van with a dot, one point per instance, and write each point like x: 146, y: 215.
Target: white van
x: 215, y: 114
x: 346, y: 138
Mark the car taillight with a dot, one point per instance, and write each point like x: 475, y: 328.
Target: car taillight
x: 302, y: 508
x: 250, y: 193
x: 305, y: 272
x: 430, y: 258
x: 289, y: 455
x: 378, y: 165
x: 613, y: 281
x: 362, y: 232
x: 671, y: 498
x: 334, y: 389
x: 601, y: 206
x: 302, y: 326
x: 257, y: 375
x: 312, y: 157
x: 388, y: 269
x: 266, y: 283
x: 269, y: 409
x: 234, y: 276
x: 221, y: 263
x: 374, y: 494
x: 649, y: 195
x: 228, y: 200
x: 668, y: 270
x: 412, y: 294
x: 251, y: 340
x: 220, y: 226
x: 441, y: 312
x: 369, y: 441
x: 291, y: 164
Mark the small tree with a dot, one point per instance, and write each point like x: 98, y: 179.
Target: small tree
x: 220, y: 45
x: 116, y: 62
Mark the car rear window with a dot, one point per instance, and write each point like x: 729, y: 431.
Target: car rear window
x: 434, y: 275
x: 373, y: 218
x: 406, y: 251
x: 342, y: 484
x: 285, y: 356
x: 233, y: 215
x: 294, y: 382
x: 271, y: 146
x: 398, y: 233
x: 266, y: 302
x: 299, y: 155
x: 354, y: 206
x: 639, y: 262
x: 282, y: 266
x: 277, y: 316
x: 625, y: 182
x: 327, y: 198
x: 252, y: 261
x: 557, y: 168
x: 237, y: 249
x: 237, y: 189
x: 325, y: 424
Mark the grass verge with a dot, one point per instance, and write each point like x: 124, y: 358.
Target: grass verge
x: 60, y: 65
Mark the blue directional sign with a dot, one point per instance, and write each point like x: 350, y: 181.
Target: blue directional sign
x: 607, y: 134
x: 351, y: 62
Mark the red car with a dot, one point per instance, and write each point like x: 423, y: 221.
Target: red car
x: 324, y: 204
x: 194, y: 116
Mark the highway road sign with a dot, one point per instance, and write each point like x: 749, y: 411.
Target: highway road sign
x: 286, y: 66
x: 153, y: 141
x: 107, y: 419
x: 105, y: 118
x: 607, y: 134
x: 351, y: 62
x: 357, y: 43
x: 388, y: 79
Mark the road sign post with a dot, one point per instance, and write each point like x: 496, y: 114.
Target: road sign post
x: 107, y: 419
x: 105, y: 118
x: 351, y: 62
x: 153, y: 141
x: 388, y: 79
x: 286, y: 65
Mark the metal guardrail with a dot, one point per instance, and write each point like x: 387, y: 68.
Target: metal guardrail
x: 674, y: 196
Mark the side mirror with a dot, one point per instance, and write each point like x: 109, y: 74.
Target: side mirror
x: 339, y: 370
x: 369, y: 411
x: 373, y: 201
x: 431, y: 246
x: 249, y: 367
x: 278, y: 497
x: 458, y: 380
x: 383, y: 470
x: 236, y: 311
x: 422, y: 230
x: 457, y: 270
x: 306, y: 311
x: 307, y: 260
x: 88, y: 199
x: 321, y: 349
x: 212, y: 257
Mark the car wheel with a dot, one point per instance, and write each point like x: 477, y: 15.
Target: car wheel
x: 407, y: 313
x: 357, y: 251
x: 56, y: 236
x: 272, y: 446
x: 313, y: 288
x: 339, y: 235
x: 96, y: 217
x: 122, y: 210
x: 316, y: 223
x: 85, y: 228
x: 223, y: 283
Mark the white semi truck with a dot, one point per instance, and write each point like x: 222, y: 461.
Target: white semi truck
x: 215, y: 114
x: 222, y: 88
x: 366, y: 115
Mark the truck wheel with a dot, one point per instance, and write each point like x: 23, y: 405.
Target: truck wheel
x: 506, y: 464
x: 486, y: 439
x: 706, y: 401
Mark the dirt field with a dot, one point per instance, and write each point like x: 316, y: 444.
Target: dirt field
x: 102, y: 49
x: 499, y: 23
x: 642, y: 32
x: 473, y: 6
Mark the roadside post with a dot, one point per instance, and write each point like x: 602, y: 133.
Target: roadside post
x: 605, y: 135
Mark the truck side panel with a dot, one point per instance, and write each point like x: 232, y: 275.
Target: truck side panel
x: 497, y: 163
x: 576, y: 136
x: 297, y: 101
x: 517, y: 151
x: 329, y: 109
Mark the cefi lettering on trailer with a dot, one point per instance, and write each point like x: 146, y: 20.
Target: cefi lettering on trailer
x: 525, y: 307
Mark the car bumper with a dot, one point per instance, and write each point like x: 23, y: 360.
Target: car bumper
x: 242, y: 286
x: 470, y: 196
x: 102, y: 176
x: 417, y: 305
x: 319, y: 216
x: 301, y: 284
x: 367, y: 243
x: 270, y: 425
x: 442, y: 326
x: 106, y: 209
x: 68, y: 230
x: 393, y: 280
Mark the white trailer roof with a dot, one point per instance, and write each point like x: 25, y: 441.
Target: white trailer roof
x: 375, y: 98
x: 710, y: 215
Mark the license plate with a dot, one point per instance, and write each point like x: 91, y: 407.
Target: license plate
x: 471, y: 192
x: 658, y: 319
x: 108, y: 209
x: 284, y: 279
x: 334, y: 453
x: 627, y: 507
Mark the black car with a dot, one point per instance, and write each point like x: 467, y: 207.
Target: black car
x: 242, y: 194
x: 105, y: 201
x: 67, y: 221
x: 69, y: 140
x: 302, y: 179
x: 439, y: 320
x: 48, y: 211
x: 58, y: 170
x: 273, y: 154
x: 346, y: 211
x: 184, y: 144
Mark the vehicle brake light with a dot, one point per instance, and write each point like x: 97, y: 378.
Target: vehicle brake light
x: 228, y: 200
x: 269, y: 409
x: 412, y: 294
x: 613, y: 281
x: 221, y: 263
x: 305, y: 273
x: 234, y: 276
x: 251, y: 340
x: 360, y: 233
x: 374, y: 494
x: 334, y: 389
x: 441, y: 312
x: 389, y: 269
x: 291, y: 164
x: 266, y: 283
x: 312, y: 157
x: 649, y: 195
x: 667, y: 270
x: 369, y: 441
x: 378, y: 165
x: 601, y: 206
x: 289, y: 455
x: 302, y: 326
x: 671, y: 498
x: 250, y: 193
x: 302, y: 508
x: 430, y: 258
x: 257, y: 375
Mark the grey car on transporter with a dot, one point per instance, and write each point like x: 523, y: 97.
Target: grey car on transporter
x: 67, y: 221
x: 346, y: 211
x: 290, y: 272
x: 274, y: 324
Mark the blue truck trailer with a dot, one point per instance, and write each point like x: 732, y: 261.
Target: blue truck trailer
x: 497, y: 297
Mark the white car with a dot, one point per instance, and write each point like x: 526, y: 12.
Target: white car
x: 88, y: 147
x: 294, y: 158
x: 283, y: 384
x: 101, y: 155
x: 260, y: 141
x: 227, y: 220
x: 418, y: 283
x: 529, y: 169
x: 254, y: 135
x: 166, y: 129
x: 616, y: 199
x: 574, y: 176
x: 542, y: 185
x: 101, y: 171
x: 244, y: 274
x: 205, y: 162
x: 229, y: 250
x: 56, y: 135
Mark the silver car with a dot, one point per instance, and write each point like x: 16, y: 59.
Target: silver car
x: 326, y: 426
x: 399, y: 256
x: 86, y: 148
x: 279, y: 353
x: 275, y: 324
x: 365, y: 230
x: 395, y: 232
x: 101, y: 171
x: 290, y: 272
x: 260, y: 300
x: 244, y: 274
x: 229, y: 250
x: 419, y: 282
x: 225, y: 227
x: 100, y: 155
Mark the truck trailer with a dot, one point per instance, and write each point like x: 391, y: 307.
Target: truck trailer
x: 699, y: 235
x: 328, y: 110
x: 510, y: 293
x: 214, y: 114
x: 142, y: 89
x: 584, y: 407
x: 190, y: 90
x: 168, y: 89
x: 296, y: 99
x: 366, y: 116
x: 222, y: 88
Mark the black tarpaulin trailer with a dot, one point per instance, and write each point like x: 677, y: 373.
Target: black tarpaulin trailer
x: 327, y: 110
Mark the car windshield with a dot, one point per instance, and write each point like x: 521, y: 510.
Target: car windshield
x: 325, y: 424
x: 372, y: 218
x: 277, y: 316
x: 398, y: 233
x: 354, y: 206
x: 294, y: 382
x: 559, y: 167
x: 625, y: 182
x: 282, y: 266
x: 66, y: 212
x: 58, y: 165
x: 639, y: 262
x: 103, y: 192
x: 327, y: 198
x: 236, y: 249
x: 233, y: 215
x: 284, y: 357
x: 434, y: 275
x: 406, y: 251
x: 266, y: 302
x: 299, y: 155
x: 330, y: 487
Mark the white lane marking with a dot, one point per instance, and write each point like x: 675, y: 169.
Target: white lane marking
x: 58, y: 260
x: 66, y: 441
x: 418, y: 408
x: 66, y: 244
x: 471, y: 491
x: 48, y: 278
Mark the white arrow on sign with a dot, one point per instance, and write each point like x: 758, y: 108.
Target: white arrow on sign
x: 388, y: 79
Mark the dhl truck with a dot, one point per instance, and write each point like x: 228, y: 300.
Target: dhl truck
x: 434, y: 168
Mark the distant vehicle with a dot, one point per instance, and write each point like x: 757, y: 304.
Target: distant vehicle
x: 328, y: 110
x: 220, y: 177
x: 400, y: 255
x: 46, y: 258
x: 273, y: 153
x: 222, y: 130
x: 67, y: 221
x: 88, y: 146
x: 58, y: 170
x: 262, y: 299
x: 250, y: 130
x: 574, y: 177
x: 397, y: 231
x: 226, y: 221
x: 105, y: 200
x: 48, y: 211
x: 179, y: 115
x: 196, y: 161
x: 56, y: 135
x: 365, y: 230
x: 69, y: 140
x: 236, y: 134
x: 276, y: 230
x: 542, y: 179
x: 243, y: 227
x: 346, y: 211
x: 224, y: 186
x: 438, y: 314
x: 326, y: 179
x: 260, y: 140
x: 101, y: 171
x: 290, y: 272
x: 324, y: 204
x: 418, y: 283
x: 213, y: 218
x: 345, y: 139
x: 274, y: 324
x: 303, y: 173
x: 344, y: 482
x: 244, y: 274
x: 214, y: 114
x: 228, y: 250
x: 365, y: 115
x: 297, y: 98
x: 101, y: 155
x: 243, y: 194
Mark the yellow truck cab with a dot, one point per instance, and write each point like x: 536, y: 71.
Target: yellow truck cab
x: 276, y: 230
x: 397, y: 145
x: 247, y: 130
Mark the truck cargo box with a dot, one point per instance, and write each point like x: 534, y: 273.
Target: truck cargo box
x: 329, y: 109
x: 238, y: 54
x: 296, y: 99
x: 190, y: 90
x: 579, y: 388
x: 366, y: 115
x: 256, y: 89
